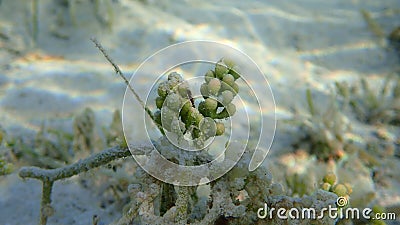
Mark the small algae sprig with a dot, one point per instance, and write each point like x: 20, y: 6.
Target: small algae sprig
x: 324, y: 130
x: 394, y: 38
x: 178, y: 113
x: 371, y: 105
x: 330, y: 184
x: 84, y: 131
x: 65, y: 14
x: 5, y: 167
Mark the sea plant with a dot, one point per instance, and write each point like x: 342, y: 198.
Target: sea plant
x: 5, y: 167
x: 330, y: 184
x: 394, y: 39
x: 178, y: 113
x: 324, y: 130
x: 235, y: 198
x: 373, y: 105
x: 52, y: 147
x: 65, y: 12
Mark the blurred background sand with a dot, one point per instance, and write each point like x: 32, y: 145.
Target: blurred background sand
x: 53, y: 71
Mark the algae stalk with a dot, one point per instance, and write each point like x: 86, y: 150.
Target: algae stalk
x: 121, y: 74
x: 310, y: 102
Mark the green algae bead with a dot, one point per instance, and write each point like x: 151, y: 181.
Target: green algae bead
x: 349, y: 188
x: 340, y: 190
x: 228, y: 62
x: 214, y: 85
x: 226, y: 97
x: 235, y: 72
x: 228, y: 79
x: 177, y: 126
x: 159, y: 102
x: 228, y: 111
x: 208, y: 107
x: 220, y: 70
x: 167, y: 116
x: 203, y: 109
x: 174, y: 76
x: 173, y: 84
x: 378, y: 209
x: 235, y: 87
x: 209, y: 75
x: 204, y: 90
x: 220, y: 129
x: 195, y: 135
x: 183, y: 89
x: 174, y: 81
x: 233, y: 69
x: 208, y: 127
x: 173, y: 101
x: 198, y: 117
x: 326, y: 186
x: 226, y: 87
x: 163, y: 89
x: 330, y: 178
x: 185, y: 109
x: 231, y: 109
x: 211, y: 104
x: 195, y: 116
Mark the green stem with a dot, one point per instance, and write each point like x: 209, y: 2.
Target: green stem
x: 310, y: 102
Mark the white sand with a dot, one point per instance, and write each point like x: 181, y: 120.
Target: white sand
x: 297, y: 44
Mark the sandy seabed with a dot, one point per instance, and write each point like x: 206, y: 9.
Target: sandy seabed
x: 52, y: 72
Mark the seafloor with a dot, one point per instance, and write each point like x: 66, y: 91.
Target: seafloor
x: 51, y: 71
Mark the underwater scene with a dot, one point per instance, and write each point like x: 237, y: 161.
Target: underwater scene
x: 199, y: 112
